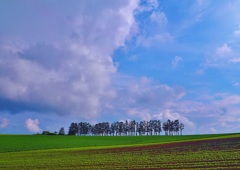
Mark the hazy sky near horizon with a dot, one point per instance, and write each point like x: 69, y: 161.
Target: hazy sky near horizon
x: 103, y: 60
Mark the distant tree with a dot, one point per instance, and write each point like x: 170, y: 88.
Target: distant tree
x: 93, y: 130
x: 84, y: 128
x: 117, y: 128
x: 137, y: 128
x: 173, y: 127
x: 181, y: 127
x: 102, y: 129
x: 176, y: 127
x: 147, y: 127
x: 132, y: 127
x: 112, y: 129
x: 120, y: 128
x: 73, y: 129
x: 159, y: 127
x: 155, y: 126
x: 170, y: 127
x: 126, y: 128
x: 152, y: 127
x: 105, y: 128
x: 165, y: 128
x: 142, y: 128
x: 61, y: 131
x: 54, y: 133
x: 46, y: 132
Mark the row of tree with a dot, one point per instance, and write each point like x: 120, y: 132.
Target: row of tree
x: 127, y: 128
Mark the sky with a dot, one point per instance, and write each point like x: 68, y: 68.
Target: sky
x: 72, y: 61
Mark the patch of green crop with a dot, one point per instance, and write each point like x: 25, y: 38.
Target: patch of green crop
x: 207, y: 154
x: 17, y: 143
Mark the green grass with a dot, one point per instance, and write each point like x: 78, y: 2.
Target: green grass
x: 44, y: 152
x: 16, y: 143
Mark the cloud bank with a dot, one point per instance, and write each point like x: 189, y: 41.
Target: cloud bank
x: 60, y: 59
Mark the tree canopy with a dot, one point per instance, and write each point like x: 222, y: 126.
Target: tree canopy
x: 127, y: 128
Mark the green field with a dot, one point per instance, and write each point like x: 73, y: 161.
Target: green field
x: 15, y: 143
x: 218, y: 151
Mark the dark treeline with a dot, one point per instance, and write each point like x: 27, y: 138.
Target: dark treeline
x: 127, y: 128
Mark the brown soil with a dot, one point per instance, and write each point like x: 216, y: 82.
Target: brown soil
x: 212, y: 144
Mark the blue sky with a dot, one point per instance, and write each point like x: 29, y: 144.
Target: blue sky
x: 94, y: 61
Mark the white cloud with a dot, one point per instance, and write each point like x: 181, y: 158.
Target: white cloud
x: 3, y: 122
x: 234, y: 60
x: 155, y: 32
x: 221, y: 56
x: 225, y: 100
x: 146, y: 99
x: 142, y: 114
x: 237, y: 32
x: 142, y: 98
x: 213, y: 130
x: 236, y: 84
x: 223, y: 51
x: 164, y: 115
x: 145, y: 92
x: 168, y: 114
x: 198, y: 9
x: 222, y: 111
x: 32, y: 125
x: 176, y: 61
x: 63, y: 69
x: 162, y: 38
x: 200, y: 72
x: 159, y: 17
x: 209, y: 112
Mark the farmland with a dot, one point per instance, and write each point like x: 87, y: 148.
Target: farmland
x: 139, y: 152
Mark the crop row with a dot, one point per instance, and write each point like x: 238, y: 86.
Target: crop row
x: 209, y: 154
x: 18, y: 143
